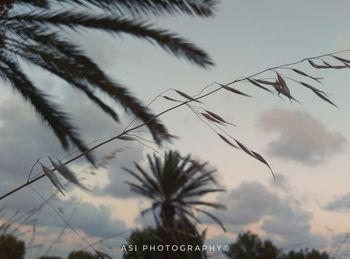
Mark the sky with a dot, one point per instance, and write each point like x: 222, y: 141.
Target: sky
x: 307, y: 144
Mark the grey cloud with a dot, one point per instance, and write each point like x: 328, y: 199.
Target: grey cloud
x: 117, y: 176
x: 26, y: 199
x: 340, y: 203
x: 247, y: 204
x: 301, y: 137
x: 94, y: 221
x: 293, y: 231
x: 24, y: 138
x: 282, y: 219
x: 22, y: 141
x: 97, y: 221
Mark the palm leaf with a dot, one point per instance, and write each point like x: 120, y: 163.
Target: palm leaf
x: 141, y: 190
x: 140, y: 179
x: 49, y: 112
x: 202, y: 8
x: 28, y: 33
x: 59, y: 67
x: 65, y: 63
x: 33, y: 3
x: 203, y: 203
x: 141, y: 29
x: 208, y: 214
x: 202, y: 192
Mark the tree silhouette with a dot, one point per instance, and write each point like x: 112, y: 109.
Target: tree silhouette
x: 250, y: 246
x: 35, y: 32
x: 175, y: 185
x: 11, y: 247
x: 139, y: 238
x: 306, y: 254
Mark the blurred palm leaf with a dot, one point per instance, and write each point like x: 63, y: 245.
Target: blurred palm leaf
x: 35, y: 31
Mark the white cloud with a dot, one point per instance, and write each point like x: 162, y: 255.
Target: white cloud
x: 301, y: 137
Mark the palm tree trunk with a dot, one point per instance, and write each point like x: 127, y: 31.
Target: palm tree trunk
x: 167, y: 215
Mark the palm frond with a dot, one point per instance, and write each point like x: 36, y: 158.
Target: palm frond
x: 207, y: 204
x: 202, y: 8
x: 144, y: 183
x: 64, y: 59
x: 141, y: 190
x: 168, y: 41
x: 60, y: 67
x: 49, y: 112
x: 185, y: 211
x: 148, y: 179
x: 196, y: 184
x: 29, y: 30
x: 33, y: 3
x: 210, y: 215
x: 155, y: 165
x: 199, y: 193
x: 154, y: 206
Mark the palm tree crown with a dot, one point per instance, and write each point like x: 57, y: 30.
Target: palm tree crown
x: 175, y: 186
x: 34, y: 31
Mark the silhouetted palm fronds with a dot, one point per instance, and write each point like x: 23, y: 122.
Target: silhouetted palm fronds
x: 36, y: 32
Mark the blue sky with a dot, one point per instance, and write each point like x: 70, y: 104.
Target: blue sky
x: 306, y: 145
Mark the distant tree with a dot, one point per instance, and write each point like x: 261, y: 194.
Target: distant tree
x: 137, y: 239
x: 306, y: 254
x: 82, y: 255
x: 175, y: 186
x: 250, y: 246
x: 11, y: 247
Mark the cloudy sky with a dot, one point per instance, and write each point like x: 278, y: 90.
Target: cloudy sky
x: 307, y: 144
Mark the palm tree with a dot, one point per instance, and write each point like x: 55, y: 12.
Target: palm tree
x: 175, y: 186
x: 34, y: 31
